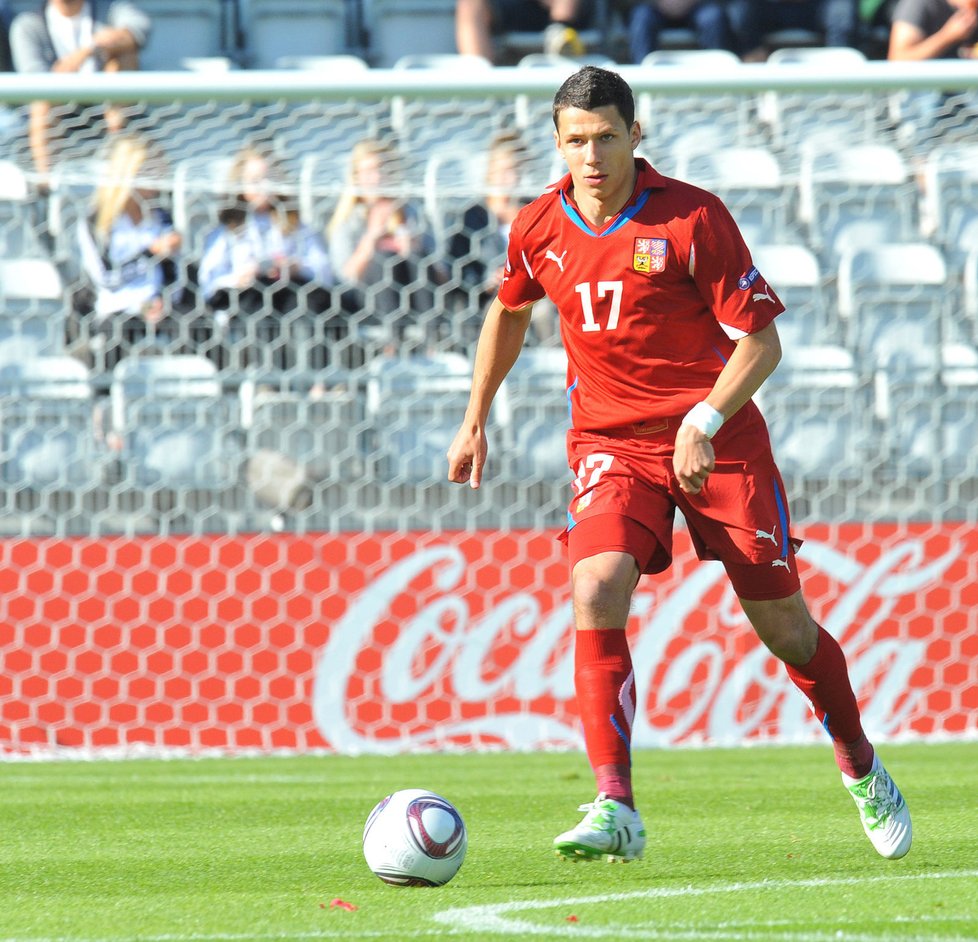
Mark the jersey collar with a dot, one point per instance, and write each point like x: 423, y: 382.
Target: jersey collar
x: 647, y: 179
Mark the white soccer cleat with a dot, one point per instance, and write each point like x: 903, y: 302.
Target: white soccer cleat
x: 610, y: 831
x: 884, y: 813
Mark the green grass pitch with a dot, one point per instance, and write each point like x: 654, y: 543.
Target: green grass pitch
x: 744, y: 844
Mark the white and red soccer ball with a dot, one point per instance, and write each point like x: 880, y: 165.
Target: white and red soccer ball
x: 414, y: 838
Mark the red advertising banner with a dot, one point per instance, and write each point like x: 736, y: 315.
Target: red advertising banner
x: 392, y: 642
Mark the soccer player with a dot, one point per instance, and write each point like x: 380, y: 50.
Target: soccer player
x: 669, y: 330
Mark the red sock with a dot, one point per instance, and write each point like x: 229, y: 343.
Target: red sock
x: 605, y: 687
x: 825, y: 681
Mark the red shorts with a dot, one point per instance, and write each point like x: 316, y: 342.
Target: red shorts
x: 626, y: 495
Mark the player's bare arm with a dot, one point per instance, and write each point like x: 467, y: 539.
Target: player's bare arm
x: 754, y: 359
x: 500, y: 342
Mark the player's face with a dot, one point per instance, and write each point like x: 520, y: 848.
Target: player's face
x: 599, y: 149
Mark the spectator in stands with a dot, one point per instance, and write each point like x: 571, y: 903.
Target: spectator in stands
x: 477, y: 249
x: 646, y: 20
x: 127, y: 249
x: 754, y: 22
x: 477, y: 22
x: 934, y: 29
x: 263, y: 268
x: 381, y: 246
x: 6, y: 18
x: 68, y: 36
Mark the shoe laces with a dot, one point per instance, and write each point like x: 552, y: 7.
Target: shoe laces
x: 600, y: 815
x: 878, y: 799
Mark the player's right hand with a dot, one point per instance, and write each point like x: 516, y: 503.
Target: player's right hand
x: 467, y: 456
x: 693, y: 459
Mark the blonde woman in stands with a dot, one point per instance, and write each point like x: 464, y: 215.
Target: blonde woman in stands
x: 128, y: 248
x: 380, y: 245
x: 264, y: 273
x: 477, y: 247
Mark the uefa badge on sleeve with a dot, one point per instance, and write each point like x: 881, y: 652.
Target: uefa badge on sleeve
x: 649, y: 255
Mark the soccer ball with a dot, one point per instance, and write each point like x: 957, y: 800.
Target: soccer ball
x: 414, y: 838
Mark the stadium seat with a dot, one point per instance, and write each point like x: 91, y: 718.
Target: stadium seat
x: 959, y: 419
x: 277, y: 28
x: 970, y: 267
x: 929, y: 417
x: 401, y: 27
x: 172, y: 418
x: 950, y: 194
x: 794, y: 273
x: 666, y: 118
x: 894, y: 300
x: 425, y: 123
x: 337, y: 65
x: 818, y: 410
x: 414, y: 407
x: 183, y: 29
x: 747, y: 179
x: 317, y: 431
x: 851, y: 234
x: 208, y: 65
x: 536, y: 414
x: 32, y: 304
x: 48, y: 430
x: 838, y: 183
x: 19, y: 215
x: 959, y: 238
x: 696, y: 59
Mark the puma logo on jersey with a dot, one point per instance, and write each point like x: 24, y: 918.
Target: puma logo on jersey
x: 554, y: 258
x: 764, y: 295
x: 781, y: 562
x: 764, y: 535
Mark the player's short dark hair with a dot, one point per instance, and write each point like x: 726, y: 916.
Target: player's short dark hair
x: 590, y: 88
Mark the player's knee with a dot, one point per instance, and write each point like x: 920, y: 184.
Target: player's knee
x: 602, y: 588
x: 785, y: 627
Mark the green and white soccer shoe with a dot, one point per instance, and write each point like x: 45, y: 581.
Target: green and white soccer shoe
x: 884, y: 813
x: 610, y: 831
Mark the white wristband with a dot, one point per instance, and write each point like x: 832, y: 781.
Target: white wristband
x: 704, y: 417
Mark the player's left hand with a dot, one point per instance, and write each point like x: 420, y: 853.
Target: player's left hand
x: 693, y: 459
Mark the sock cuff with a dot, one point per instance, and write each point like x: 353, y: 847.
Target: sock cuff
x: 598, y: 644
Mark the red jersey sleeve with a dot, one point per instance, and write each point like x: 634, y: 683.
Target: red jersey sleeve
x: 519, y: 286
x: 741, y: 300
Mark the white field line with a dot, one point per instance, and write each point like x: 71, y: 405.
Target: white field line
x: 489, y: 920
x: 492, y: 918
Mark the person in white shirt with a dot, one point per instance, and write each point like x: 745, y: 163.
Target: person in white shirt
x: 265, y: 273
x: 73, y: 36
x: 126, y: 247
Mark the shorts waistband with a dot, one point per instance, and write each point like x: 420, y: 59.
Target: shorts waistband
x: 648, y: 428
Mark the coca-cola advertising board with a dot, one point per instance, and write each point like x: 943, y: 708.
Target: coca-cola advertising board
x: 389, y: 642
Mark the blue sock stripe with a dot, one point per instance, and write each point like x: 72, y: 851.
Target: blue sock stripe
x: 624, y: 737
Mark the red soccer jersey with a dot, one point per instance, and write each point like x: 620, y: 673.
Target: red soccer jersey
x: 650, y: 304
